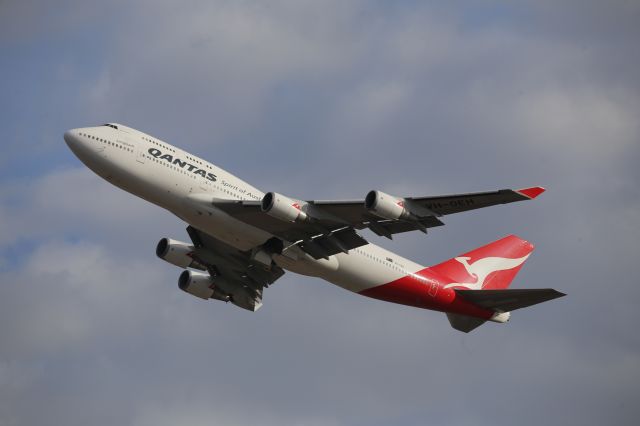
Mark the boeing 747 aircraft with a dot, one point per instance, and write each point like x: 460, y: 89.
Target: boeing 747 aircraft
x: 243, y: 240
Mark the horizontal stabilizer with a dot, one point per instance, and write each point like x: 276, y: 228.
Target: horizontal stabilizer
x: 463, y: 322
x: 508, y: 300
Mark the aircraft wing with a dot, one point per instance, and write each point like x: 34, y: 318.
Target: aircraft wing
x: 440, y: 205
x: 329, y: 227
x: 234, y: 271
x: 320, y: 238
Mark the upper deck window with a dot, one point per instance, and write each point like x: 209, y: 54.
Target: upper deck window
x: 112, y: 126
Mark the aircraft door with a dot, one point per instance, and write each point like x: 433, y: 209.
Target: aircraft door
x: 140, y: 154
x: 141, y: 149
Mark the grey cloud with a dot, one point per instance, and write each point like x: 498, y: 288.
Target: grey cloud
x: 74, y: 202
x: 326, y: 101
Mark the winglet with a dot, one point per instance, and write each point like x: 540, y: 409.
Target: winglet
x: 532, y: 192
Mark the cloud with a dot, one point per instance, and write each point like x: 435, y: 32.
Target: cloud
x: 74, y: 202
x: 321, y: 101
x: 62, y: 294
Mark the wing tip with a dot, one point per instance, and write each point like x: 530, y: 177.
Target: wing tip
x: 532, y: 192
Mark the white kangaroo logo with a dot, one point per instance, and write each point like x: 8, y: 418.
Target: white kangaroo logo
x: 481, y: 268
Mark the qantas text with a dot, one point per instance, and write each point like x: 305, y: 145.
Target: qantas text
x: 182, y: 164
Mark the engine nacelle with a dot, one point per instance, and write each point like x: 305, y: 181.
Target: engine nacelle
x: 386, y: 206
x: 177, y: 253
x: 200, y: 285
x: 282, y: 208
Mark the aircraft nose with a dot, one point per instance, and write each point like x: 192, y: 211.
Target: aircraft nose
x: 71, y: 138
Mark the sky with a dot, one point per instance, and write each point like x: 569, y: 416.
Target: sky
x: 321, y: 100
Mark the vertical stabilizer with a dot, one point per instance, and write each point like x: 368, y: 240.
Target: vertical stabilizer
x: 490, y: 267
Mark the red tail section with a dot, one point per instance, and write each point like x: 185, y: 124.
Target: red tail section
x: 489, y: 267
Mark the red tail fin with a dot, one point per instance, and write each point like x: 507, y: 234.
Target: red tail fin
x: 489, y: 267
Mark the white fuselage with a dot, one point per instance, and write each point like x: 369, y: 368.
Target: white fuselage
x: 178, y: 181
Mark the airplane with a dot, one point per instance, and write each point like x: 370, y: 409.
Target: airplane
x: 243, y: 240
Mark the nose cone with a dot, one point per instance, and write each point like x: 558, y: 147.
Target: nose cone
x: 79, y: 143
x: 71, y: 138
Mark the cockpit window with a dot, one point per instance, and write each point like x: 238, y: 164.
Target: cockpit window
x: 112, y: 126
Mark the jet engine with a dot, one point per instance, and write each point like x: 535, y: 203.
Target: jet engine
x: 177, y: 253
x: 282, y: 208
x: 386, y: 206
x: 200, y: 285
